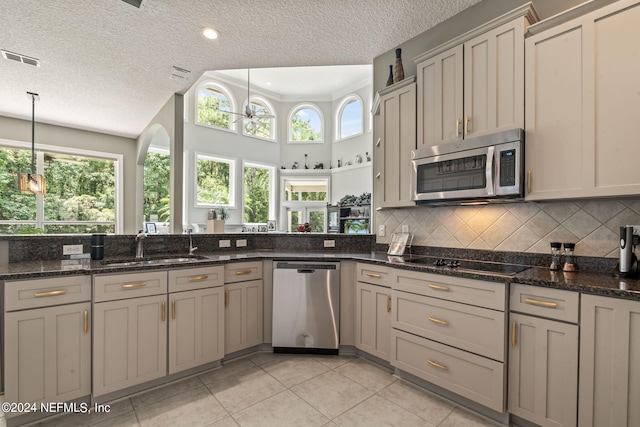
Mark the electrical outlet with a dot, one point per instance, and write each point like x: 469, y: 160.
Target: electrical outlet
x: 71, y: 249
x: 241, y: 243
x: 329, y: 243
x: 224, y: 244
x: 405, y: 228
x: 382, y: 230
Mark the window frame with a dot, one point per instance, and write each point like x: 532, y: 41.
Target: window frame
x: 232, y: 180
x: 118, y: 172
x: 338, y: 118
x: 272, y: 186
x: 270, y: 110
x: 232, y: 104
x: 293, y: 111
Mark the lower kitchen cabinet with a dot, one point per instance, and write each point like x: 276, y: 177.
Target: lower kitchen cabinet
x: 243, y: 319
x: 373, y: 319
x: 129, y: 343
x: 609, y: 362
x: 543, y: 370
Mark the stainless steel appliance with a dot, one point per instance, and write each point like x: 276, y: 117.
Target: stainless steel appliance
x: 471, y: 266
x: 627, y: 266
x: 486, y: 168
x: 306, y: 307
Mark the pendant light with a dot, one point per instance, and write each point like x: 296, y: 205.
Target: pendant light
x: 32, y: 183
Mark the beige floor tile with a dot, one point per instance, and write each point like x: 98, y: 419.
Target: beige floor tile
x: 366, y: 374
x: 461, y: 418
x: 125, y: 420
x: 333, y: 362
x: 225, y: 422
x: 262, y: 359
x: 165, y: 392
x: 332, y: 394
x: 240, y: 391
x: 377, y: 411
x: 294, y: 371
x: 417, y: 401
x: 72, y: 420
x: 227, y: 370
x: 194, y: 407
x: 283, y: 409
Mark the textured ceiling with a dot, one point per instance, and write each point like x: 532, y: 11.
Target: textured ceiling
x: 106, y: 65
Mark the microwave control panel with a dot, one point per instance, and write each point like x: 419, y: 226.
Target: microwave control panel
x: 508, y: 168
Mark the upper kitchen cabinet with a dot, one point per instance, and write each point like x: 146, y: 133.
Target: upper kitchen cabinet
x: 582, y: 99
x: 474, y: 84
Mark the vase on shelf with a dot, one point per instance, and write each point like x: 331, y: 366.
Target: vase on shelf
x: 399, y: 70
x: 390, y: 79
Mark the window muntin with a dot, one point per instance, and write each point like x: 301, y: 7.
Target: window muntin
x: 350, y: 118
x: 263, y: 127
x: 306, y: 124
x: 259, y: 193
x: 215, y: 181
x: 214, y: 104
x: 157, y: 195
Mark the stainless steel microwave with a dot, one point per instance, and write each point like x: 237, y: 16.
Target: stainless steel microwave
x: 486, y: 168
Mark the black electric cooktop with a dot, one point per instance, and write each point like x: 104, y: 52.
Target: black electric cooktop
x: 481, y: 267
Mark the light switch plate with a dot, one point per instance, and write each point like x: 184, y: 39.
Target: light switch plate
x: 382, y: 230
x: 224, y: 244
x: 405, y: 228
x: 329, y: 243
x: 241, y: 243
x: 71, y: 249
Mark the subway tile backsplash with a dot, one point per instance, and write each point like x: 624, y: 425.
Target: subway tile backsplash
x: 518, y: 227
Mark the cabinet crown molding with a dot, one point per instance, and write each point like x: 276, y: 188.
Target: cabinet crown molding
x: 375, y: 108
x: 527, y: 11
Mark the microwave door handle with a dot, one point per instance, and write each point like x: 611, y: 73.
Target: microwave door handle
x: 489, y: 171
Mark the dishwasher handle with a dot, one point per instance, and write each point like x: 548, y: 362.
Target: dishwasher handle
x: 306, y: 271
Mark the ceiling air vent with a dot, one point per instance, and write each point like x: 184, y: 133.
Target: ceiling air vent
x: 179, y: 73
x: 136, y: 3
x: 12, y: 56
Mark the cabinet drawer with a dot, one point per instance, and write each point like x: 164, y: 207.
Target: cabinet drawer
x: 469, y: 375
x: 475, y: 329
x: 242, y: 271
x: 189, y: 279
x: 107, y: 287
x: 552, y: 303
x: 374, y: 274
x: 469, y: 291
x: 24, y: 294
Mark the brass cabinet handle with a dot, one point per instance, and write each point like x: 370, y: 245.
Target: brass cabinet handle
x: 513, y: 334
x: 194, y: 278
x: 541, y: 303
x: 389, y: 304
x: 226, y: 298
x: 376, y: 275
x: 466, y: 125
x: 50, y: 293
x: 86, y: 321
x: 134, y: 285
x: 457, y: 128
x: 528, y: 181
x: 438, y: 321
x: 378, y: 142
x: 173, y: 310
x: 437, y: 365
x: 163, y: 308
x: 243, y: 272
x: 439, y: 288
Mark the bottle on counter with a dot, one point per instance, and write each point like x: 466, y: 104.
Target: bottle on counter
x: 569, y: 259
x: 97, y: 246
x: 556, y: 249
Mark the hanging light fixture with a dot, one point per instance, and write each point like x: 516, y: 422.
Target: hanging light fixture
x: 32, y: 183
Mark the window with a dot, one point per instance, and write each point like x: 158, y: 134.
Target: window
x: 305, y: 201
x: 260, y: 127
x: 259, y: 193
x: 214, y: 105
x: 156, y: 187
x: 81, y: 193
x: 214, y: 181
x: 305, y: 124
x: 349, y: 118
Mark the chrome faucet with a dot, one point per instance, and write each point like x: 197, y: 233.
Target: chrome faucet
x: 192, y: 248
x: 140, y: 244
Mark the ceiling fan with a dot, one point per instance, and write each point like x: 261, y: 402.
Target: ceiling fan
x: 249, y: 113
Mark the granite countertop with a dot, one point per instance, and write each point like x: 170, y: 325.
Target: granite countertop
x: 586, y: 282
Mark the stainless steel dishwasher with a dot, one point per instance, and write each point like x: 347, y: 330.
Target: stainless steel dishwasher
x: 306, y: 307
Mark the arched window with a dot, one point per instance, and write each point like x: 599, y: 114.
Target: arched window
x: 349, y: 118
x: 306, y: 124
x: 260, y: 127
x: 214, y: 102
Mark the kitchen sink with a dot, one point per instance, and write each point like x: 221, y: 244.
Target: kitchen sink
x: 151, y: 261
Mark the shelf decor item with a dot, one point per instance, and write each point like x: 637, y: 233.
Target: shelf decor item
x: 390, y: 79
x: 399, y: 70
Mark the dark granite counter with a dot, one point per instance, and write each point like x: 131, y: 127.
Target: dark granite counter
x: 585, y: 282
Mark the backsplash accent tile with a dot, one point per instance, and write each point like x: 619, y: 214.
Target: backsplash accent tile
x: 517, y: 227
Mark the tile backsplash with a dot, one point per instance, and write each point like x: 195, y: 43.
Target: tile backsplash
x: 518, y: 227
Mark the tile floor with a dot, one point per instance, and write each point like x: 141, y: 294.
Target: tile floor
x: 283, y: 390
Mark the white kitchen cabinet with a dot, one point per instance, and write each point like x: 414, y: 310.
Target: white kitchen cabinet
x: 47, y: 350
x: 394, y: 140
x: 474, y: 84
x: 609, y: 370
x: 581, y: 103
x: 373, y: 319
x: 243, y: 319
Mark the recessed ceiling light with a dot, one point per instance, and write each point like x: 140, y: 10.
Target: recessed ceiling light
x: 210, y: 33
x: 268, y: 83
